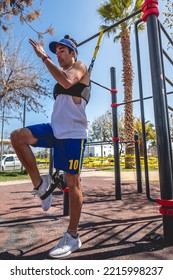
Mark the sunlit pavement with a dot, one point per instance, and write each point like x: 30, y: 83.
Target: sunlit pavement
x: 109, y: 228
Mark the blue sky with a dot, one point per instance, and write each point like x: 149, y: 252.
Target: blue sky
x: 81, y: 20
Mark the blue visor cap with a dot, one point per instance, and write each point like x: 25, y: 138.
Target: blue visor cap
x: 65, y: 42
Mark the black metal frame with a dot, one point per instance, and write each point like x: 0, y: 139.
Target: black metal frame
x: 159, y: 80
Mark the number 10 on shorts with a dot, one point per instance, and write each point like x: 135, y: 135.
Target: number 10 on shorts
x: 73, y: 164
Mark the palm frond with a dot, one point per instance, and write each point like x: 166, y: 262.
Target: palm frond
x: 141, y: 26
x: 127, y: 3
x: 138, y: 5
x: 117, y: 38
x: 109, y: 32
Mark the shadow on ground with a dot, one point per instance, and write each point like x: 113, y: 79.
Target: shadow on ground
x: 130, y: 228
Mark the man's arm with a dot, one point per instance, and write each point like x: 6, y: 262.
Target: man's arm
x: 69, y: 78
x: 73, y: 76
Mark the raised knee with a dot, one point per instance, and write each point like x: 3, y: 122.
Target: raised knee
x: 22, y: 136
x: 16, y: 137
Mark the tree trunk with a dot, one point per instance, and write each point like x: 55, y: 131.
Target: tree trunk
x: 127, y: 79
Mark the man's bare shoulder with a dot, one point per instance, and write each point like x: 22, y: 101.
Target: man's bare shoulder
x: 79, y: 64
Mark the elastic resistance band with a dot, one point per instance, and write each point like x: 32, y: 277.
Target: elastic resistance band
x: 98, y: 44
x: 95, y: 52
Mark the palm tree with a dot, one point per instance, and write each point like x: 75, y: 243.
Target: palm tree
x: 112, y: 11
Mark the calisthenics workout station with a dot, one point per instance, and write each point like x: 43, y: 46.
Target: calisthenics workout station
x: 159, y: 81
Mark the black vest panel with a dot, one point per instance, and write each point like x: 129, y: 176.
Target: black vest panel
x: 79, y: 90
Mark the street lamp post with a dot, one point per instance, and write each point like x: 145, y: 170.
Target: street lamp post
x: 3, y: 75
x: 24, y: 110
x: 2, y: 138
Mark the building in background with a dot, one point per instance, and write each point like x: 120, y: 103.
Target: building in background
x: 99, y: 150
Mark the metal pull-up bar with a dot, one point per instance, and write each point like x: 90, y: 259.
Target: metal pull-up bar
x: 110, y: 27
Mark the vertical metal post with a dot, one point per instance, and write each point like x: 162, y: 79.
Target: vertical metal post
x: 24, y: 111
x: 164, y: 82
x: 3, y: 75
x: 65, y: 191
x: 160, y: 110
x: 138, y: 164
x: 51, y: 161
x: 24, y: 120
x: 163, y: 143
x: 65, y: 198
x: 2, y: 136
x: 142, y: 113
x: 115, y: 135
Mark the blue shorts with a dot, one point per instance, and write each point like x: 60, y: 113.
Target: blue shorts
x: 68, y: 153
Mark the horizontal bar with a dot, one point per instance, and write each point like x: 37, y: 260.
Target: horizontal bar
x: 170, y: 108
x: 168, y: 81
x: 110, y: 27
x: 100, y: 85
x: 167, y: 56
x: 166, y: 34
x: 137, y: 100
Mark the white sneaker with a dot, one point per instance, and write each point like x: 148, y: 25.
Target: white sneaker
x: 65, y: 246
x: 45, y: 203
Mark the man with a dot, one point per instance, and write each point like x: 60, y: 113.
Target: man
x: 66, y: 133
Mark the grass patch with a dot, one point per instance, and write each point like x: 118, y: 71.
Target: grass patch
x: 18, y: 175
x: 12, y: 175
x: 122, y: 169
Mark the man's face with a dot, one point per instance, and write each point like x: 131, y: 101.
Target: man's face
x: 65, y: 58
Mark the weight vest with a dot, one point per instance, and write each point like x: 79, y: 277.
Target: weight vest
x: 79, y: 90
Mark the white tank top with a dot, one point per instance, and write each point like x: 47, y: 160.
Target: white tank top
x: 68, y: 119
